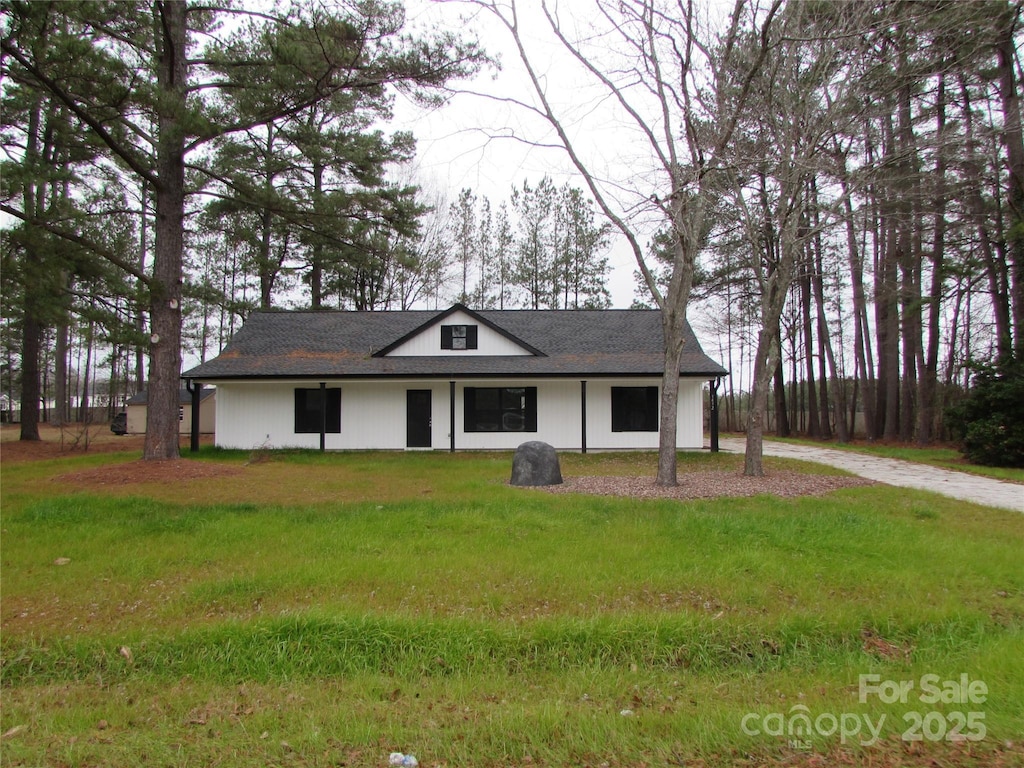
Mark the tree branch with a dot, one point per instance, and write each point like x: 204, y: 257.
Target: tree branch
x: 77, y: 239
x: 104, y: 135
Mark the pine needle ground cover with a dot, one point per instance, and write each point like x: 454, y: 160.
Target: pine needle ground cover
x: 326, y: 610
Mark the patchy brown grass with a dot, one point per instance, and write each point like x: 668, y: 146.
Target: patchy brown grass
x: 54, y: 442
x: 72, y: 440
x: 169, y: 472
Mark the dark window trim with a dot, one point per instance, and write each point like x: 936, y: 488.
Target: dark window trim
x: 627, y: 413
x: 308, y: 412
x: 506, y: 418
x: 451, y: 334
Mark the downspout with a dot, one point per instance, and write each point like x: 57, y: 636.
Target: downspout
x: 583, y: 416
x: 195, y: 388
x: 451, y: 411
x: 323, y: 416
x: 713, y: 413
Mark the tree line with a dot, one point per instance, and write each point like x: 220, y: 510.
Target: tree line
x: 906, y: 205
x: 841, y: 184
x: 292, y: 192
x: 134, y: 129
x: 541, y: 248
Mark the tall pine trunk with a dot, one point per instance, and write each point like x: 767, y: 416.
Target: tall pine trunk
x: 928, y: 380
x: 831, y: 387
x: 864, y: 362
x: 165, y: 305
x: 813, y: 422
x: 140, y: 314
x: 1012, y: 137
x: 996, y: 267
x: 887, y: 327
x: 31, y: 326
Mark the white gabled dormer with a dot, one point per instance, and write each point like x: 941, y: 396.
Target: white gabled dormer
x: 461, y: 332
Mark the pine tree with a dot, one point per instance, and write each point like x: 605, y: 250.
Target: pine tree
x: 141, y: 81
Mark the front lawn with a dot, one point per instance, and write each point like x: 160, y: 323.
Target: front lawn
x: 325, y: 610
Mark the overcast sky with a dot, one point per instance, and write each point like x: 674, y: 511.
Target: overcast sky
x: 485, y: 144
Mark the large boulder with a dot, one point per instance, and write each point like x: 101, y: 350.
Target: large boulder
x: 535, y: 463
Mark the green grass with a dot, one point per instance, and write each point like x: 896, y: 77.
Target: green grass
x: 329, y: 609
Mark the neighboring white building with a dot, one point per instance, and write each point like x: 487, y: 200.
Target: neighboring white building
x: 457, y: 379
x: 137, y: 412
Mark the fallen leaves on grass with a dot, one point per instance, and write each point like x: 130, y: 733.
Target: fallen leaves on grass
x: 879, y: 646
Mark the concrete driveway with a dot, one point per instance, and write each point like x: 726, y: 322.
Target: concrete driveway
x: 958, y: 485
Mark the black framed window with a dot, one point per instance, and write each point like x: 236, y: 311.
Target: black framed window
x: 308, y: 411
x: 634, y: 409
x: 458, y: 337
x: 500, y: 409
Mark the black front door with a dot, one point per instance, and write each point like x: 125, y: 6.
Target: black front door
x: 417, y: 418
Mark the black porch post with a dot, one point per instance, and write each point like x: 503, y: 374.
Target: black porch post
x: 451, y: 411
x: 323, y: 415
x: 713, y: 413
x: 196, y: 390
x: 583, y: 415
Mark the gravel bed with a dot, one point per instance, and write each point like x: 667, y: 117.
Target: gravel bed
x: 708, y: 485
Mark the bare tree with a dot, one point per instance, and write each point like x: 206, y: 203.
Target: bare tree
x: 803, y: 95
x: 682, y: 88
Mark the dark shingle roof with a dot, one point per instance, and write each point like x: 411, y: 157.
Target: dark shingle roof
x: 342, y: 344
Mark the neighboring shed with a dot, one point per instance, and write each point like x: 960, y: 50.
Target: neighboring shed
x: 454, y: 379
x: 136, y: 409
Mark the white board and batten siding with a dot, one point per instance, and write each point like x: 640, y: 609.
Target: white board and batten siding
x: 427, y: 343
x: 372, y: 415
x: 252, y: 415
x: 689, y: 416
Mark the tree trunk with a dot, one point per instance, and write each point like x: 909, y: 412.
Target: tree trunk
x: 316, y: 265
x: 825, y: 352
x: 31, y: 326
x: 888, y: 331
x: 783, y: 428
x: 766, y: 361
x: 813, y: 424
x: 861, y: 332
x: 31, y: 337
x: 823, y: 392
x: 83, y: 401
x: 165, y: 305
x: 928, y: 381
x: 954, y: 330
x: 140, y: 313
x: 268, y: 267
x: 672, y: 330
x: 909, y: 250
x: 996, y: 268
x: 61, y: 409
x: 1013, y: 140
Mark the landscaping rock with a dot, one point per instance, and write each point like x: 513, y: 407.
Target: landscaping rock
x: 535, y: 463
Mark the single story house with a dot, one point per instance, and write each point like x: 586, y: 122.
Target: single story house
x: 137, y: 411
x: 457, y: 379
